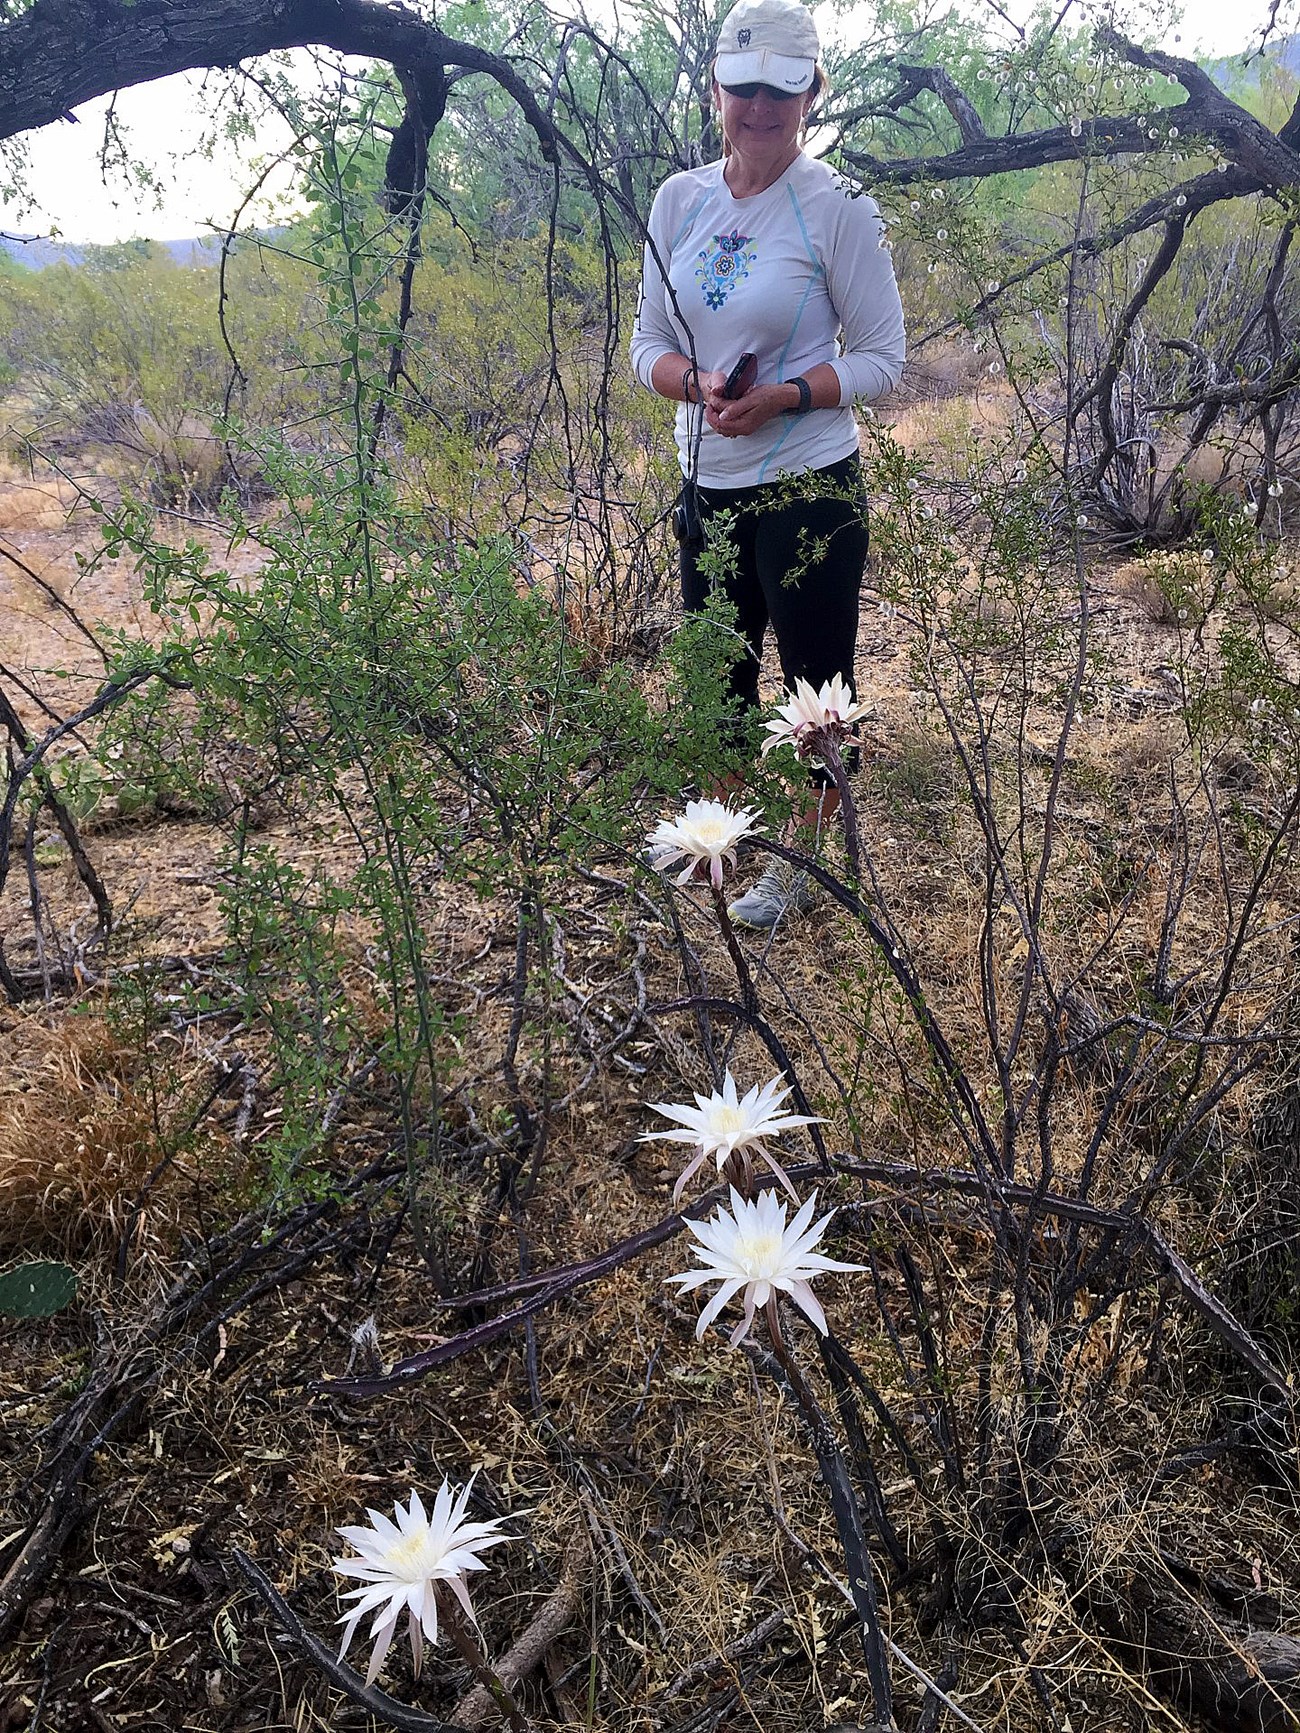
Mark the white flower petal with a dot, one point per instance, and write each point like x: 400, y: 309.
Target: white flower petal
x: 400, y: 1563
x: 350, y: 1630
x: 377, y: 1654
x: 805, y: 713
x: 750, y: 1249
x: 462, y: 1595
x: 687, y: 1173
x: 722, y: 1123
x: 729, y: 1289
x: 706, y: 834
x: 809, y: 1305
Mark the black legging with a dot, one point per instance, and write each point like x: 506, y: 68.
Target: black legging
x: 798, y: 565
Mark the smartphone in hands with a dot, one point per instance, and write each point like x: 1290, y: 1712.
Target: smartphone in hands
x: 741, y: 377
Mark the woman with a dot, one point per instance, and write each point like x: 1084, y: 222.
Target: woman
x: 769, y: 253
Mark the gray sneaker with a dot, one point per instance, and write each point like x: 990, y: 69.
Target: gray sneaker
x: 781, y: 889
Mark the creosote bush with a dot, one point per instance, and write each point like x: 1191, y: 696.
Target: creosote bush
x: 434, y: 701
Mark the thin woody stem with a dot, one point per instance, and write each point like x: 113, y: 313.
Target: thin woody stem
x: 748, y: 992
x: 472, y: 1654
x: 828, y: 750
x: 848, y: 1519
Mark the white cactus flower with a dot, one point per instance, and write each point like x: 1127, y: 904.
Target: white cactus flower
x: 725, y: 1123
x: 806, y: 712
x: 402, y: 1563
x: 750, y: 1250
x: 708, y: 830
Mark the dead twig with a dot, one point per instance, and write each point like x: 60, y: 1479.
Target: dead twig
x: 529, y: 1651
x: 374, y: 1701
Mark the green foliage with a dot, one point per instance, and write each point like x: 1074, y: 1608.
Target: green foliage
x: 435, y: 649
x: 37, y: 1290
x: 439, y: 705
x: 127, y: 352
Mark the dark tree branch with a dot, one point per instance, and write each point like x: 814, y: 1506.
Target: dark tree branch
x: 1197, y: 195
x: 1269, y: 161
x: 51, y: 63
x: 1104, y: 389
x: 385, y: 1709
x: 52, y: 595
x: 22, y: 741
x: 48, y: 68
x: 954, y: 99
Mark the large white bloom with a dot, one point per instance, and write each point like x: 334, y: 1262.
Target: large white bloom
x: 707, y: 831
x: 721, y: 1124
x: 750, y: 1249
x: 806, y: 712
x: 400, y: 1564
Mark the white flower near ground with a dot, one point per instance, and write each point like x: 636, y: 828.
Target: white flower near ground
x: 402, y: 1563
x: 805, y: 713
x: 725, y: 1122
x: 708, y: 830
x: 751, y: 1251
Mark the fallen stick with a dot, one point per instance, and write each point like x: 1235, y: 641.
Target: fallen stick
x: 476, y: 1708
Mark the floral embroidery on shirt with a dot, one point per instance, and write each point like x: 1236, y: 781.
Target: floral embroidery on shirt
x: 723, y: 265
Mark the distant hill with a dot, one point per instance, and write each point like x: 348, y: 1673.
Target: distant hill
x: 35, y: 253
x: 1229, y: 73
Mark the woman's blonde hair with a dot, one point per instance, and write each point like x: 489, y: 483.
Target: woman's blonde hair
x: 820, y: 88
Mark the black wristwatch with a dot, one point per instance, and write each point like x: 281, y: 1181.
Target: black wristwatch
x: 805, y: 402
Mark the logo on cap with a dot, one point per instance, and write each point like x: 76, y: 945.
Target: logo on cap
x: 743, y: 37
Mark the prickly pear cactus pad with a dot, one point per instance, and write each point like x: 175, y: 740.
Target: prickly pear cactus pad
x: 37, y: 1290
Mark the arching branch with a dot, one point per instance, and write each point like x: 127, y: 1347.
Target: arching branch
x: 954, y: 99
x: 62, y: 53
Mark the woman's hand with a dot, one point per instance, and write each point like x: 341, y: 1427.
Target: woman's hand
x: 733, y: 418
x: 710, y: 387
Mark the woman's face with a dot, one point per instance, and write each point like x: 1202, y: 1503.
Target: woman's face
x: 764, y: 126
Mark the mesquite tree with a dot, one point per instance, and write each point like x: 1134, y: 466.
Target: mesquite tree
x: 1144, y: 391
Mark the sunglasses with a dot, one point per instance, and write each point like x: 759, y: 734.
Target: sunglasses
x: 747, y: 92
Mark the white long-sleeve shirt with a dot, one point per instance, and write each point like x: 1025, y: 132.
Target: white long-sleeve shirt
x: 798, y: 275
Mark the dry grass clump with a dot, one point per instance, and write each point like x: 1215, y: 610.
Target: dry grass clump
x: 1280, y: 599
x: 947, y: 431
x: 31, y: 505
x: 77, y: 1139
x: 1171, y: 589
x: 180, y: 453
x: 1142, y: 750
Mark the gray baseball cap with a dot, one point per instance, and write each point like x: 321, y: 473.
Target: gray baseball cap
x: 768, y: 42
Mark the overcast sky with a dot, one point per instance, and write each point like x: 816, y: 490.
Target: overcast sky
x: 196, y: 195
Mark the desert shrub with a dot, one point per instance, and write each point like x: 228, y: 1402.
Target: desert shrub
x: 1034, y: 1023
x: 439, y: 704
x: 128, y: 354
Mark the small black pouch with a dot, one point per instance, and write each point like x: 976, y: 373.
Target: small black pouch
x: 688, y: 526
